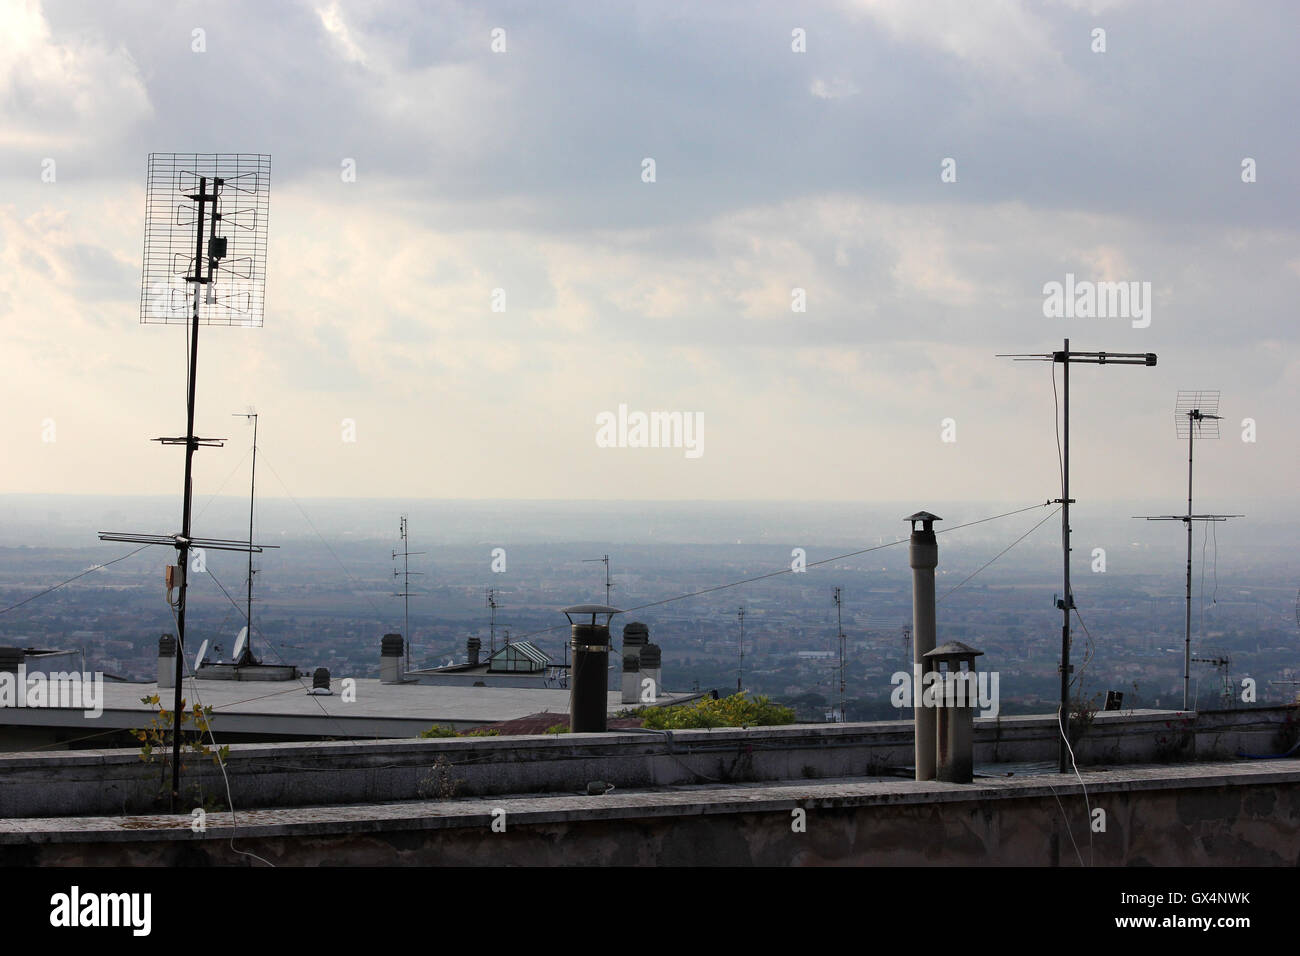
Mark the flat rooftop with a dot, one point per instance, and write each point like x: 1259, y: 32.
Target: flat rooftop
x: 285, y: 708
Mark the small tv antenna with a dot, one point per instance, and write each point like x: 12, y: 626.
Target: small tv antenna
x: 213, y: 205
x: 839, y: 624
x: 198, y: 658
x: 740, y: 666
x: 1220, y: 662
x: 405, y: 593
x: 1196, y: 415
x: 1065, y: 603
x: 240, y: 643
x: 492, y: 621
x: 609, y: 583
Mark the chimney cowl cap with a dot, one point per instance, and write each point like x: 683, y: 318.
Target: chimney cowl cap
x: 927, y: 520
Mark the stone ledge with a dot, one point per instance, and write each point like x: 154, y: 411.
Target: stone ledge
x: 631, y: 805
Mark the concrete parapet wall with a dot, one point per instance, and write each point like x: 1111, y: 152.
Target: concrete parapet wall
x: 333, y: 773
x: 1236, y: 814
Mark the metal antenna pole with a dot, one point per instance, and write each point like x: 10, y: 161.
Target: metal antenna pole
x: 839, y: 623
x: 740, y: 667
x: 1187, y: 626
x: 405, y: 593
x: 252, y: 498
x: 187, y: 493
x: 1197, y: 410
x: 1066, y: 602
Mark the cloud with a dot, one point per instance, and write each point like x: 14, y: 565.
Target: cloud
x: 62, y: 94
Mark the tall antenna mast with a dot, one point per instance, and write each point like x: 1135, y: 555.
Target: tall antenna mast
x: 740, y: 666
x: 405, y: 593
x: 839, y: 624
x: 1066, y: 357
x: 247, y: 655
x: 1195, y: 416
x: 184, y: 190
x: 609, y: 583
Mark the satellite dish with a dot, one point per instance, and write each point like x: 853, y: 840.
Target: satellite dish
x: 239, y: 644
x: 203, y: 652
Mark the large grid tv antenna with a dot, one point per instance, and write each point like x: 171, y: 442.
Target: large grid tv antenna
x: 205, y: 254
x: 1196, y: 415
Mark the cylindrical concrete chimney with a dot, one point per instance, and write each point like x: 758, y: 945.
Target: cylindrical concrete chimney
x: 472, y: 648
x: 924, y: 558
x: 390, y: 659
x: 652, y: 670
x: 166, y: 661
x: 955, y: 733
x: 588, y: 697
x: 631, y: 678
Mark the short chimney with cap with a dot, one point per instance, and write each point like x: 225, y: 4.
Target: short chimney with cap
x: 320, y: 682
x: 589, y: 641
x: 955, y: 735
x: 390, y: 659
x: 631, y: 678
x: 472, y: 648
x: 166, y: 661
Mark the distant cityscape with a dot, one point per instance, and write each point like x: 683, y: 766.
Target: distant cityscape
x: 326, y: 599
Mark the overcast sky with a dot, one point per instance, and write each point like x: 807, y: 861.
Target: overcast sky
x: 775, y: 170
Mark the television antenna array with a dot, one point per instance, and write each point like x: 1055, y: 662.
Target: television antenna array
x: 204, y: 264
x: 1196, y: 415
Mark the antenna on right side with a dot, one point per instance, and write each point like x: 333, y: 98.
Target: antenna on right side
x: 1196, y: 415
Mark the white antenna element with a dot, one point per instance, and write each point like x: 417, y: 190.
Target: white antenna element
x: 203, y: 652
x: 239, y: 643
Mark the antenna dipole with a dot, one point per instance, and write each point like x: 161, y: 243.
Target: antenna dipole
x: 1066, y: 357
x: 1195, y: 416
x: 839, y: 624
x: 609, y: 583
x: 405, y: 593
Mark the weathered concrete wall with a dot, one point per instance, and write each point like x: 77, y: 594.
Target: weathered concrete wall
x: 1239, y: 814
x: 326, y: 773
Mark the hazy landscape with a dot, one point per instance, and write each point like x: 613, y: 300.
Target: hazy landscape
x: 326, y: 595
